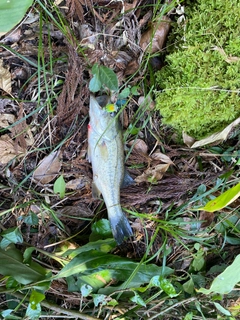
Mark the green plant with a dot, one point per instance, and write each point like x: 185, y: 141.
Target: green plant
x: 11, y: 13
x: 200, y: 82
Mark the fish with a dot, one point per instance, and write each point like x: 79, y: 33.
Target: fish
x: 106, y: 154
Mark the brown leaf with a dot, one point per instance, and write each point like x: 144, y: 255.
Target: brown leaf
x: 6, y: 119
x: 207, y: 218
x: 217, y: 137
x: 78, y: 183
x: 188, y: 140
x: 153, y: 174
x: 161, y: 157
x: 8, y: 149
x: 154, y: 38
x: 139, y: 145
x: 5, y: 79
x: 48, y: 168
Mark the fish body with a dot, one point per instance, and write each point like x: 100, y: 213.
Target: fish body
x: 105, y: 152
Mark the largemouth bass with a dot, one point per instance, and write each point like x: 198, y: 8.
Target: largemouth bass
x: 105, y: 152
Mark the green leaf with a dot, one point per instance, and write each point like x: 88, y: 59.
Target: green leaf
x: 223, y: 200
x: 35, y: 298
x: 13, y: 235
x: 134, y: 91
x: 137, y: 299
x: 189, y: 286
x: 124, y: 93
x: 105, y: 246
x: 99, y: 298
x: 108, y: 78
x: 11, y: 13
x: 95, y: 84
x: 97, y: 269
x: 12, y: 265
x: 86, y: 290
x: 225, y: 281
x: 60, y: 186
x: 35, y: 313
x: 31, y: 219
x: 168, y: 288
x: 101, y: 229
x: 221, y: 309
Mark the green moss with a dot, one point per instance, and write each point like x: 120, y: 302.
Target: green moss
x: 198, y: 83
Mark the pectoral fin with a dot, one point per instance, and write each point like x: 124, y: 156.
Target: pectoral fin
x: 103, y: 150
x: 127, y: 179
x: 95, y: 191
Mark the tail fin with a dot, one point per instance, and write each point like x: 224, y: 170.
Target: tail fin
x: 119, y: 224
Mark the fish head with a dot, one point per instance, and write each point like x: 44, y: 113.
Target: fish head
x: 102, y: 120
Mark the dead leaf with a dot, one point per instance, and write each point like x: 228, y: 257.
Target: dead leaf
x: 139, y: 146
x: 8, y: 149
x: 218, y: 137
x: 207, y: 218
x: 6, y: 119
x: 5, y: 79
x: 48, y: 168
x: 161, y: 157
x: 153, y: 174
x: 188, y: 140
x: 79, y: 183
x: 154, y: 38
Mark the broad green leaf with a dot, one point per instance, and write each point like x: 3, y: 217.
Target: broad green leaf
x: 35, y: 298
x: 105, y: 246
x: 101, y: 229
x: 12, y: 265
x: 13, y: 235
x: 225, y: 281
x: 60, y: 186
x: 108, y: 78
x: 11, y: 13
x: 98, y: 269
x: 223, y: 200
x: 95, y: 84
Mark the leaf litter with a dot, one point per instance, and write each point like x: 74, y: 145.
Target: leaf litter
x: 167, y: 174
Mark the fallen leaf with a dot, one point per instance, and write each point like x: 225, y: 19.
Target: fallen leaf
x: 5, y: 79
x: 161, y: 157
x: 79, y: 183
x: 6, y: 119
x: 8, y: 149
x: 154, y: 38
x: 139, y: 145
x: 188, y: 140
x: 207, y: 218
x: 217, y: 137
x: 48, y: 168
x: 153, y: 174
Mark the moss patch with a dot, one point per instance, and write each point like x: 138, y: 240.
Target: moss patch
x: 201, y: 79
